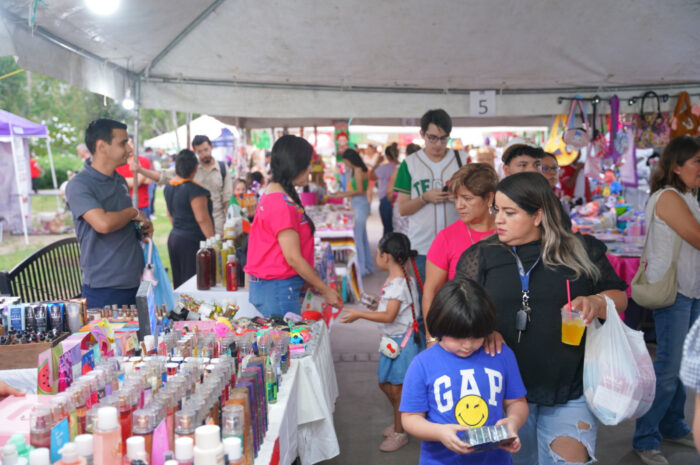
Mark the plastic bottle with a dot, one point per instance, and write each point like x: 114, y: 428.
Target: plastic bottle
x: 212, y: 262
x: 107, y: 439
x: 203, y: 267
x: 184, y: 451
x: 10, y: 457
x: 38, y: 457
x: 135, y: 450
x: 270, y: 382
x: 83, y: 444
x: 143, y: 424
x: 70, y: 456
x: 218, y: 246
x: 41, y: 422
x: 208, y: 449
x: 225, y: 251
x: 232, y: 272
x: 233, y: 448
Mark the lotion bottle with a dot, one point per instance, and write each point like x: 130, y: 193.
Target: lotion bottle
x: 107, y: 438
x: 208, y: 449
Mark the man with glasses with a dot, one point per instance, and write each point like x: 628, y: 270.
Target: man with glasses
x: 421, y: 184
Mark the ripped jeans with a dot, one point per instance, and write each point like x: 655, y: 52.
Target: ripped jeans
x: 276, y: 296
x: 545, y: 424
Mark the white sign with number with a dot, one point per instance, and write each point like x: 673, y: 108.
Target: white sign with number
x: 482, y: 103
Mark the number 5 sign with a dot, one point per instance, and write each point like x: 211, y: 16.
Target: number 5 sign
x: 482, y: 103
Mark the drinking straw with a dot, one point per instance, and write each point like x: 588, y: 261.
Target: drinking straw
x: 568, y: 293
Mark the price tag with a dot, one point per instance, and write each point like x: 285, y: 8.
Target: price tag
x: 482, y: 103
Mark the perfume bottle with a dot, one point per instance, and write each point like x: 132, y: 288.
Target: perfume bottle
x: 107, y: 439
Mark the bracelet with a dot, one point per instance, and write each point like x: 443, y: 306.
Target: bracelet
x: 432, y: 339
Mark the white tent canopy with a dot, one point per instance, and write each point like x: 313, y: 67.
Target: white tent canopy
x: 204, y: 125
x: 378, y: 61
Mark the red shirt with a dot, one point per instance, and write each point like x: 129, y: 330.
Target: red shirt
x: 449, y: 244
x: 125, y: 171
x: 275, y: 213
x: 567, y: 172
x: 34, y: 170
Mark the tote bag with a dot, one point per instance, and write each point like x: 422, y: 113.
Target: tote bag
x: 556, y: 145
x: 661, y: 293
x: 652, y: 128
x: 686, y: 118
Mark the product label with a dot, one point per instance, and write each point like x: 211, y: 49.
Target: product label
x: 60, y: 435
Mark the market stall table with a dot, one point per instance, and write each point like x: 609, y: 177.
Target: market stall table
x: 218, y: 294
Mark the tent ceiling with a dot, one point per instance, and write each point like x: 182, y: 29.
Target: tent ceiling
x: 356, y: 58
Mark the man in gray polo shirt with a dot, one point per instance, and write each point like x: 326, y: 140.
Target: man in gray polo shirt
x: 105, y: 222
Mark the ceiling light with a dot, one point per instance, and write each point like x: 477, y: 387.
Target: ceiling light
x: 103, y: 7
x: 128, y: 102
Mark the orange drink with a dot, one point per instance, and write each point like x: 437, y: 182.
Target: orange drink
x: 572, y: 327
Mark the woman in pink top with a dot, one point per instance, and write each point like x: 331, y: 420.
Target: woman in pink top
x: 473, y: 187
x: 281, y: 243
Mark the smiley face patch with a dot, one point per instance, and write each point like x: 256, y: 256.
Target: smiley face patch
x: 471, y: 411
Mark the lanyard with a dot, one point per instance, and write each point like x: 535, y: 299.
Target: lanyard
x: 524, y: 277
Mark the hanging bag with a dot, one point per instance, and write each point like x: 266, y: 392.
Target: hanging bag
x: 652, y: 128
x: 618, y: 375
x: 556, y: 145
x: 661, y: 293
x: 686, y: 118
x: 613, y: 126
x: 577, y: 136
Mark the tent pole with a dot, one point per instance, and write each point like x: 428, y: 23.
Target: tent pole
x: 135, y: 189
x: 53, y: 171
x: 22, y: 207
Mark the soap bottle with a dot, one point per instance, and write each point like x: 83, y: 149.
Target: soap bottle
x: 203, y: 267
x: 135, y: 450
x: 184, y: 450
x: 107, y: 438
x: 212, y: 263
x: 208, y: 449
x: 38, y: 457
x: 70, y: 456
x: 10, y: 457
x: 143, y: 424
x: 234, y: 451
x: 83, y: 443
x: 41, y: 422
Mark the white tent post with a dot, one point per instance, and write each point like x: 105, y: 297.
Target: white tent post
x: 137, y: 118
x: 53, y: 171
x: 22, y: 207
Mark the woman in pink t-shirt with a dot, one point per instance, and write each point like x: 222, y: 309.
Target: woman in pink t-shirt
x: 281, y: 242
x: 473, y: 187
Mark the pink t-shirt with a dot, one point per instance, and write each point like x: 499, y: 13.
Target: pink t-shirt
x: 449, y: 244
x: 275, y: 213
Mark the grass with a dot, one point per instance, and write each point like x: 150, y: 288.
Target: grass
x: 14, y: 250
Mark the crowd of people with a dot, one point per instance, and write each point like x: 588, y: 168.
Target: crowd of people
x: 470, y: 311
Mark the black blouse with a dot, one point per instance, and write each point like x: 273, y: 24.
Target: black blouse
x: 178, y: 199
x: 552, y: 371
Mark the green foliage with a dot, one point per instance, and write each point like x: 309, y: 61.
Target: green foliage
x: 62, y: 164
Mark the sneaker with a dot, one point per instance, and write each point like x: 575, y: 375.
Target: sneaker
x: 388, y: 430
x: 686, y: 440
x: 652, y: 457
x: 394, y: 442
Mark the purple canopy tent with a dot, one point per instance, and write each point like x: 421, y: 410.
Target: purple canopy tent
x: 16, y: 130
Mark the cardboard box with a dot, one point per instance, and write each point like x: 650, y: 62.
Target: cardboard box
x: 25, y: 355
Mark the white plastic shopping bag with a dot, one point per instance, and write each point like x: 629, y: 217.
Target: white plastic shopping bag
x: 618, y: 376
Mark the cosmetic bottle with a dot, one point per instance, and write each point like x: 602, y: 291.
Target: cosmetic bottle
x: 107, y: 439
x: 83, y: 443
x: 185, y: 424
x: 41, y: 422
x: 208, y: 449
x: 38, y: 457
x: 233, y: 449
x: 10, y: 457
x: 135, y: 450
x: 143, y: 424
x: 184, y: 451
x: 203, y: 261
x: 70, y: 456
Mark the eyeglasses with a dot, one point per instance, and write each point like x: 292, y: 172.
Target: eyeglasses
x: 433, y: 138
x: 549, y: 169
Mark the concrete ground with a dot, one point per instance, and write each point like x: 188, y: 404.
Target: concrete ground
x: 362, y: 411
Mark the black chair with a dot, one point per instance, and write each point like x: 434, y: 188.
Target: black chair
x: 51, y: 273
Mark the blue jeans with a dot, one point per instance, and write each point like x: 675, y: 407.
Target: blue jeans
x: 544, y: 424
x: 276, y: 296
x: 364, y: 257
x: 386, y: 213
x: 99, y: 297
x: 665, y: 418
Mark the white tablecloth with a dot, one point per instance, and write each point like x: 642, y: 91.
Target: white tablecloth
x: 219, y: 294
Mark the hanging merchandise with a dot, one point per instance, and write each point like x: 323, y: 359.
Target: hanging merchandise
x: 599, y: 142
x: 556, y: 145
x: 686, y: 118
x: 652, y: 128
x: 613, y: 130
x: 577, y: 136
